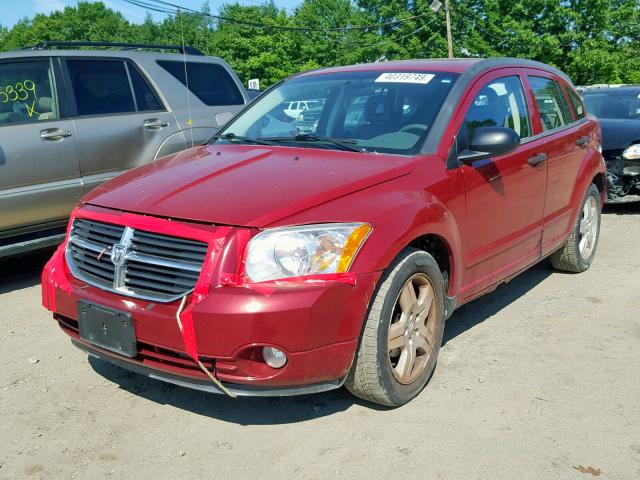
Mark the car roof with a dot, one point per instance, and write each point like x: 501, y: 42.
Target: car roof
x: 121, y: 53
x: 613, y: 90
x: 473, y: 66
x: 454, y: 65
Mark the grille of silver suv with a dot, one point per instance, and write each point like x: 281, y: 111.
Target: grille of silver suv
x: 133, y: 262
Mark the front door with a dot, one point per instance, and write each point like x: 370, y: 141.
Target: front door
x: 120, y: 120
x: 504, y: 194
x: 39, y: 175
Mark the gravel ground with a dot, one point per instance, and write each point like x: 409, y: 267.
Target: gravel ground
x: 539, y: 380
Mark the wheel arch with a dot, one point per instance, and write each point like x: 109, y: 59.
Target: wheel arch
x: 600, y: 181
x: 592, y: 171
x: 431, y: 228
x: 436, y: 246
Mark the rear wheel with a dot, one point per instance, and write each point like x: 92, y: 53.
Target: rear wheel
x: 577, y: 254
x: 402, y: 332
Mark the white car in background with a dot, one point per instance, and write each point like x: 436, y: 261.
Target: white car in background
x: 293, y: 109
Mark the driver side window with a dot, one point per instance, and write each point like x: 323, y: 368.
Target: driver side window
x: 500, y: 103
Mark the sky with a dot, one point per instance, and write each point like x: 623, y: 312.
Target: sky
x: 15, y: 10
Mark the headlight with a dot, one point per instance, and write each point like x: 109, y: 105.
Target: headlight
x: 632, y: 152
x: 305, y: 250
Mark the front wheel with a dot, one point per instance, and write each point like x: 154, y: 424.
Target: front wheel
x: 402, y: 333
x: 577, y: 254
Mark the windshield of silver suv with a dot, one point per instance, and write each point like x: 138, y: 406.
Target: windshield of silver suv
x: 367, y: 111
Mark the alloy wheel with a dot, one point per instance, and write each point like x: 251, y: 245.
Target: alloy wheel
x: 588, y: 227
x: 412, y: 330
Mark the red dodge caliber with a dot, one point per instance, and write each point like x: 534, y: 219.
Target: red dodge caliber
x: 295, y: 255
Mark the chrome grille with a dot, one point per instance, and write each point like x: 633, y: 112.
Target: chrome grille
x: 134, y: 262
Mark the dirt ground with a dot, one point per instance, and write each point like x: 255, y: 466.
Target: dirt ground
x: 539, y: 380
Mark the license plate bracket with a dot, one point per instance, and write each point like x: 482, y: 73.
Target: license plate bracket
x: 107, y: 328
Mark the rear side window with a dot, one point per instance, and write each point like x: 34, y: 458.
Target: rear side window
x: 146, y: 98
x: 210, y: 82
x: 101, y: 87
x: 27, y: 93
x: 577, y: 103
x: 553, y: 107
x: 500, y: 103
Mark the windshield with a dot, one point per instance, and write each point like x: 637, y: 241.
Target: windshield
x: 385, y: 112
x: 623, y: 104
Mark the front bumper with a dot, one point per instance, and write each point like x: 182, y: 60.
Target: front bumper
x: 204, y: 385
x: 316, y: 324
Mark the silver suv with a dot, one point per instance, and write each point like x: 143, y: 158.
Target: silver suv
x: 71, y: 119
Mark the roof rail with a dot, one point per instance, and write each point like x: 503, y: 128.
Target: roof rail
x: 123, y: 45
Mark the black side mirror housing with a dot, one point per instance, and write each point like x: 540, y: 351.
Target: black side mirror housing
x: 488, y: 142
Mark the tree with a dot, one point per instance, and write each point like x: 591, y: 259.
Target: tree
x: 3, y: 34
x: 88, y: 21
x: 256, y: 52
x: 594, y: 41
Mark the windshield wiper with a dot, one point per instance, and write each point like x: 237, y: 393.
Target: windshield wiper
x: 232, y: 136
x: 346, y: 143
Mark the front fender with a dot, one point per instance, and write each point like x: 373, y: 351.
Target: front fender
x: 399, y: 215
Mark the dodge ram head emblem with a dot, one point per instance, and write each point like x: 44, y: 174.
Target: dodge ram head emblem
x: 118, y: 254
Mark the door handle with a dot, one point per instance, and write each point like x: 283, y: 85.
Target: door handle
x: 582, y: 141
x: 154, y: 124
x: 54, y: 134
x: 538, y: 159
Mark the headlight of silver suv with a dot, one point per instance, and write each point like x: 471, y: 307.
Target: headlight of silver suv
x: 305, y: 250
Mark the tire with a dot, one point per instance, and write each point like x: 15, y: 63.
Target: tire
x: 381, y: 371
x: 573, y: 256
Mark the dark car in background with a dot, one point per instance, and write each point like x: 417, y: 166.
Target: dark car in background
x: 307, y: 121
x: 618, y: 110
x: 72, y: 118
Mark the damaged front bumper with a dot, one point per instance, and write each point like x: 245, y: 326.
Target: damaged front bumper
x: 623, y: 176
x: 204, y: 385
x: 316, y: 322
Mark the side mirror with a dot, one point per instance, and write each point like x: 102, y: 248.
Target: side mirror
x: 488, y: 142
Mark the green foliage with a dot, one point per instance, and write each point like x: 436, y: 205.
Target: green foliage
x: 594, y: 41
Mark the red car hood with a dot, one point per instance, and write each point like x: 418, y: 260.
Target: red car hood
x: 244, y: 185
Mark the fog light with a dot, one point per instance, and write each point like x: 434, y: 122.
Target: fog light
x: 275, y: 358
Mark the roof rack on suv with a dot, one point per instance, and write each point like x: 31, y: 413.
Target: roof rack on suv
x: 123, y: 45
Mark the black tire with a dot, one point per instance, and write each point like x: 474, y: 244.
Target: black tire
x: 569, y: 258
x: 371, y: 376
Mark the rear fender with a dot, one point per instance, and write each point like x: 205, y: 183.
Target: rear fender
x: 592, y: 165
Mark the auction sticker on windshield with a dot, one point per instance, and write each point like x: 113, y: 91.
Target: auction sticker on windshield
x: 423, y: 78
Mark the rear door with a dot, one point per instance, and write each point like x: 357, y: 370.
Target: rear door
x: 566, y: 139
x: 39, y: 174
x: 120, y: 120
x: 504, y: 194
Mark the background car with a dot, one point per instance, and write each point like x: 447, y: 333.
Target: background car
x: 618, y: 110
x: 295, y: 108
x: 307, y: 121
x: 71, y: 119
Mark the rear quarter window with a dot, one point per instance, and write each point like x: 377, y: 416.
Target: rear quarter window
x: 578, y: 107
x: 552, y: 104
x: 210, y: 82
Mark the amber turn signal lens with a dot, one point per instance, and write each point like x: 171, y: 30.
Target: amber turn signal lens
x: 354, y: 242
